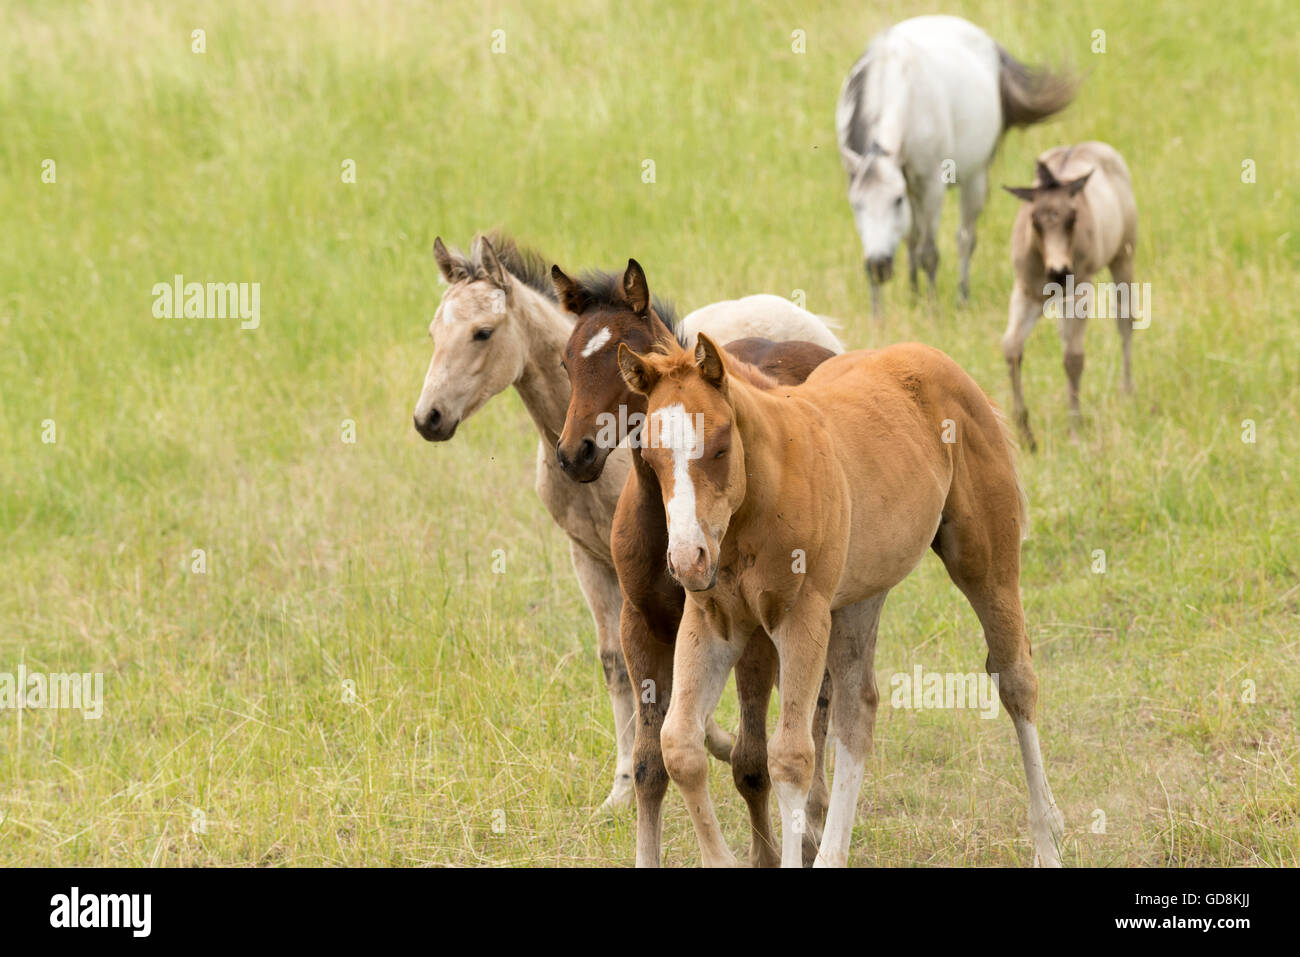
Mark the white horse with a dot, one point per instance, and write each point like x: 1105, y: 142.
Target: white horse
x: 924, y: 109
x: 763, y: 315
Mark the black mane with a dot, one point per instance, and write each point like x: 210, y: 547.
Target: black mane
x: 606, y: 289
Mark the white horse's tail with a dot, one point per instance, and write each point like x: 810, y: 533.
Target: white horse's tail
x: 1031, y: 94
x: 763, y: 316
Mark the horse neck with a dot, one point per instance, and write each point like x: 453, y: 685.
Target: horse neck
x: 758, y: 417
x: 542, y: 383
x: 894, y: 94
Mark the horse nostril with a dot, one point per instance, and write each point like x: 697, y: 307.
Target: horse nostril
x: 587, y: 452
x: 701, y: 557
x: 434, y: 419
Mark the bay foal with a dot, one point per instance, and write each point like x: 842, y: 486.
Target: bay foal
x: 611, y: 315
x: 849, y: 475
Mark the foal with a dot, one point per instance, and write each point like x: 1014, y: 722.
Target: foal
x: 1078, y: 217
x: 611, y: 315
x: 850, y: 475
x: 499, y: 325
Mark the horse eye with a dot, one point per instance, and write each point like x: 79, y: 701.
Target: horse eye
x: 720, y: 453
x: 482, y: 335
x: 898, y: 201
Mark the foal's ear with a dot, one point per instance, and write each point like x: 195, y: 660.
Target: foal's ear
x: 1075, y: 185
x: 709, y: 361
x: 639, y: 375
x: 1021, y: 192
x: 571, y: 295
x: 636, y: 289
x: 1046, y: 178
x: 452, y: 266
x: 496, y: 273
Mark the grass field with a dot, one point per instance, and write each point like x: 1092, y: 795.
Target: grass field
x: 349, y: 682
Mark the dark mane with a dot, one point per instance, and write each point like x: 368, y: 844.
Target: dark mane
x: 527, y: 265
x: 606, y: 289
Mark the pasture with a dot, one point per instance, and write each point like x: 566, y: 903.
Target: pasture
x: 380, y: 655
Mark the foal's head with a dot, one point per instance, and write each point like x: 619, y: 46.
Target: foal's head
x: 610, y: 310
x: 1054, y: 213
x: 478, y: 351
x: 693, y: 446
x: 882, y: 212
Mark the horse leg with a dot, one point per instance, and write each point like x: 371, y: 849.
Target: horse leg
x: 819, y: 797
x: 755, y: 677
x: 974, y: 192
x: 926, y: 213
x: 912, y: 260
x: 599, y: 585
x: 1121, y: 272
x: 650, y: 668
x: 851, y: 659
x: 981, y: 550
x: 801, y: 641
x: 1071, y: 324
x: 700, y: 668
x: 1023, y: 315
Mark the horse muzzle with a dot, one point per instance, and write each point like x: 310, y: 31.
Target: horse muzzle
x: 584, y: 463
x: 434, y: 427
x: 880, y: 268
x: 692, y: 568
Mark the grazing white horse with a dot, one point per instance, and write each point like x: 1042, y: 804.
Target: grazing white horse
x: 924, y: 109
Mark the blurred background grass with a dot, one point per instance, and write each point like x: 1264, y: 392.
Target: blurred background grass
x: 370, y: 562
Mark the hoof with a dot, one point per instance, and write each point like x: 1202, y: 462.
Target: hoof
x: 621, y: 797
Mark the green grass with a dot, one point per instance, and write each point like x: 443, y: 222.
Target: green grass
x: 370, y: 563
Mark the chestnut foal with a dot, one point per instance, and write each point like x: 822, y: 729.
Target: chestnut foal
x: 611, y: 313
x: 854, y: 472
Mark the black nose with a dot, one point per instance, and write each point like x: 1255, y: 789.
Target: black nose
x: 585, y: 456
x: 880, y: 268
x: 430, y: 427
x: 1057, y: 276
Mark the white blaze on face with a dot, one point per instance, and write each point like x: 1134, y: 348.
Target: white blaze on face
x: 675, y: 430
x: 448, y: 317
x: 596, y: 341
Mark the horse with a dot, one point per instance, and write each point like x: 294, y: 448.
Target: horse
x: 761, y: 316
x: 1079, y: 216
x: 852, y: 474
x: 498, y: 324
x: 610, y: 316
x: 924, y: 108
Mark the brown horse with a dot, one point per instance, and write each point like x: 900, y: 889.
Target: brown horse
x: 852, y: 471
x: 612, y: 314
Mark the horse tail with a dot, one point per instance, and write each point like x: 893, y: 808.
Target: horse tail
x: 1031, y: 94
